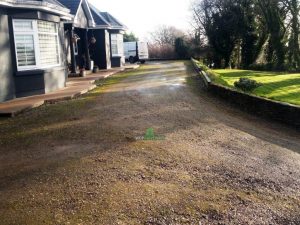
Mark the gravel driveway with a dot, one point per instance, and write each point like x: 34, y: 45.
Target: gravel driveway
x: 88, y: 161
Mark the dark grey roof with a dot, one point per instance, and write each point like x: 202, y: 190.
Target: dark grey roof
x: 112, y: 20
x: 106, y: 19
x: 99, y: 20
x: 72, y: 5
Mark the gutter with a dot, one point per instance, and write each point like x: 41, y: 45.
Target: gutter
x: 107, y: 27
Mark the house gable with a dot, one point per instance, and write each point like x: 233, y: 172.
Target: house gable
x: 80, y: 10
x: 81, y: 20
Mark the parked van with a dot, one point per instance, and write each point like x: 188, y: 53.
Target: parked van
x: 136, y: 51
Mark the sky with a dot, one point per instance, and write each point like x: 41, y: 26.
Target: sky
x: 143, y: 16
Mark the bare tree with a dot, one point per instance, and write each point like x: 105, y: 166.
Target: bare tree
x: 162, y: 43
x: 166, y: 35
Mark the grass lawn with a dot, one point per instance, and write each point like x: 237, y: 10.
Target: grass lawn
x: 277, y: 86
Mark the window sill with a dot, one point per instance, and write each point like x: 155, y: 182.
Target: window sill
x: 38, y: 71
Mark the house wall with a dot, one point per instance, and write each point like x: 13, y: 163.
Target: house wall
x: 117, y: 61
x: 54, y: 79
x: 29, y: 83
x: 7, y: 87
x: 40, y: 81
x: 108, y: 49
x: 102, y: 56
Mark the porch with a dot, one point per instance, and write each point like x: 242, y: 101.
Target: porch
x: 88, y: 49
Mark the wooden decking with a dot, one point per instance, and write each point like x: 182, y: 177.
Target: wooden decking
x: 74, y: 88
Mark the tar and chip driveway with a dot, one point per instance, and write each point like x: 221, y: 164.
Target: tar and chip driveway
x: 84, y: 161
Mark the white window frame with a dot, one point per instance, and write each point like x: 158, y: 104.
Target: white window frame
x: 35, y: 34
x: 120, y: 48
x: 58, y: 46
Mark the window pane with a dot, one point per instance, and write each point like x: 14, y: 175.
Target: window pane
x: 117, y: 44
x: 23, y: 25
x: 114, y: 47
x: 25, y: 50
x: 114, y: 37
x: 48, y: 42
x: 47, y: 27
x: 121, y: 44
x: 49, y: 54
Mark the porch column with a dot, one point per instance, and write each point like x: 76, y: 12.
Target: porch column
x: 72, y: 48
x: 86, y: 50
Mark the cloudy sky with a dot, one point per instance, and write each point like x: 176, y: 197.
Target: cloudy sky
x: 142, y: 16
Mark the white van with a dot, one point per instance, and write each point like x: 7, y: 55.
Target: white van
x: 136, y: 51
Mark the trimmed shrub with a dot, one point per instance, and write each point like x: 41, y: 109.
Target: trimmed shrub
x: 246, y: 84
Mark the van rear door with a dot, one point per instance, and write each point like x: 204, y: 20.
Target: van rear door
x: 130, y: 49
x: 143, y: 50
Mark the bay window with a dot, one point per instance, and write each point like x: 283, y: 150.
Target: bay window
x: 117, y: 46
x: 37, y: 44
